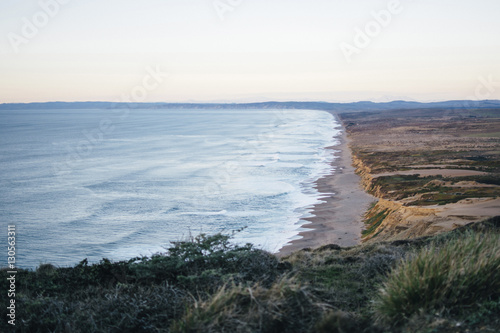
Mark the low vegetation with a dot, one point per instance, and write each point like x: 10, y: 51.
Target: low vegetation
x: 373, y: 222
x: 394, y: 141
x: 436, y: 190
x: 458, y: 276
x: 445, y: 283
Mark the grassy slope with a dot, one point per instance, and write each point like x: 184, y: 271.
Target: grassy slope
x: 448, y: 283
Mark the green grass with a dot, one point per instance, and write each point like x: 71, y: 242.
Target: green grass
x: 448, y: 195
x: 458, y: 277
x: 403, y: 186
x: 493, y: 179
x: 374, y: 222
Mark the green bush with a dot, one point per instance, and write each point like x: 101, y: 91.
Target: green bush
x: 453, y: 277
x: 206, y: 263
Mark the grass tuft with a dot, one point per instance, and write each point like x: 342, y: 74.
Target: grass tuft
x: 287, y: 306
x: 454, y: 277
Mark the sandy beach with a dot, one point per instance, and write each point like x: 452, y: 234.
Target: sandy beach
x: 337, y: 220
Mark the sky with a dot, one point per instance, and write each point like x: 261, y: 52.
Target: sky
x: 248, y: 50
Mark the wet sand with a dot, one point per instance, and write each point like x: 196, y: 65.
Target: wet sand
x: 338, y: 220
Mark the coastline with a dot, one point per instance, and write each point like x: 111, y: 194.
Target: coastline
x: 338, y: 218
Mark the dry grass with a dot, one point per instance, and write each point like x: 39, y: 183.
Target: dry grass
x: 287, y: 306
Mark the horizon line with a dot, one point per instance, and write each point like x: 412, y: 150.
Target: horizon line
x: 263, y: 102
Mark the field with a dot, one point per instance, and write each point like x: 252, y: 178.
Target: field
x: 445, y: 160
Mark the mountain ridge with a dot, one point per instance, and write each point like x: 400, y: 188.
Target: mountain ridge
x: 328, y: 106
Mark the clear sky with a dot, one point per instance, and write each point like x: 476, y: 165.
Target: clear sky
x: 249, y: 50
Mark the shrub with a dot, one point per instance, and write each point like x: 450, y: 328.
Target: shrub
x: 207, y: 262
x: 121, y: 309
x: 138, y: 295
x: 450, y: 277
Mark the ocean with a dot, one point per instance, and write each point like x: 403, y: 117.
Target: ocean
x: 123, y: 183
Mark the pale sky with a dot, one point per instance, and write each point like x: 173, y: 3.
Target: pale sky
x: 249, y: 50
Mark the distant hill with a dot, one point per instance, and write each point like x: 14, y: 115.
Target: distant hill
x: 339, y: 107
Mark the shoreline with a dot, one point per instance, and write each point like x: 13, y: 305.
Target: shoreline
x: 338, y: 218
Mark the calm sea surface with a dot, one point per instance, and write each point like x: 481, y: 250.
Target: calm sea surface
x: 120, y: 183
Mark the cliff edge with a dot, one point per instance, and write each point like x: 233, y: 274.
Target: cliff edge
x: 430, y: 170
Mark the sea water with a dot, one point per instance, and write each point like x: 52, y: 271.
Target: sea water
x: 122, y: 183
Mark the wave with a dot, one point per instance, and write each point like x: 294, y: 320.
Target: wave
x: 160, y: 175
